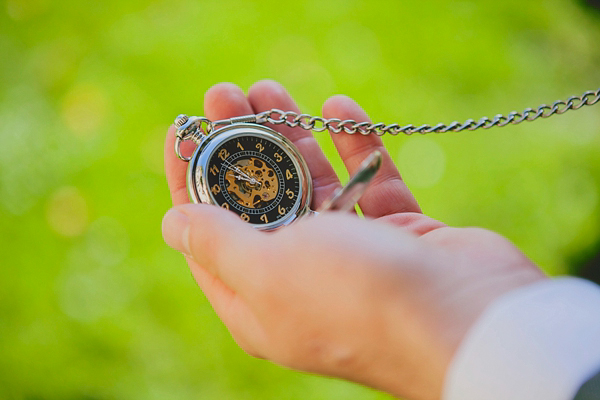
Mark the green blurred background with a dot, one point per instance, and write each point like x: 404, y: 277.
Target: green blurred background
x: 93, y: 304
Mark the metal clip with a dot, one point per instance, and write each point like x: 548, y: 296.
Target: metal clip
x: 190, y: 128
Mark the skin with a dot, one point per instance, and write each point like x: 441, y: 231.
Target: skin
x: 384, y: 301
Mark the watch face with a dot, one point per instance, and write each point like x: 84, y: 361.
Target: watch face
x: 260, y: 176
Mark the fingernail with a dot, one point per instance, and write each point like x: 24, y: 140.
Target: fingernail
x: 176, y: 230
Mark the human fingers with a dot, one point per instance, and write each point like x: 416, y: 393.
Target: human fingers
x: 220, y: 242
x: 387, y: 194
x: 223, y: 100
x: 268, y: 94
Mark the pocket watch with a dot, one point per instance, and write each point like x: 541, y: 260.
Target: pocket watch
x: 247, y: 168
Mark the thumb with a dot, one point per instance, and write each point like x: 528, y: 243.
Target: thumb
x: 216, y: 239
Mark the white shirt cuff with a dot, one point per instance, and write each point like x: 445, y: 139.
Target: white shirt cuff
x: 538, y: 342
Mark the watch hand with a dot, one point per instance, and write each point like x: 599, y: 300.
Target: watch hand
x: 237, y: 169
x: 246, y: 178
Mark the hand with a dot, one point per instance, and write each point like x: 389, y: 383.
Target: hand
x: 384, y: 301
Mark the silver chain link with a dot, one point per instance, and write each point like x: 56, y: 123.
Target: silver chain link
x: 335, y: 125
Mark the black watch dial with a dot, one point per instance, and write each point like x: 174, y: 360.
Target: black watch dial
x: 254, y: 177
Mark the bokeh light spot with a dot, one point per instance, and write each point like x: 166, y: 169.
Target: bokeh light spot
x: 67, y: 212
x: 85, y: 110
x: 20, y: 10
x: 422, y: 162
x: 53, y: 62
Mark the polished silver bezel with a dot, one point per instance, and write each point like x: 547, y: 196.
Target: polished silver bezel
x: 197, y: 178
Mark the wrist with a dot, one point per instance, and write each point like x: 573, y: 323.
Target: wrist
x: 441, y: 319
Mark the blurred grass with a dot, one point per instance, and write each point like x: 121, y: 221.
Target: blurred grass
x: 95, y: 306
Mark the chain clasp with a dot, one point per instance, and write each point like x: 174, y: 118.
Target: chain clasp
x: 190, y: 128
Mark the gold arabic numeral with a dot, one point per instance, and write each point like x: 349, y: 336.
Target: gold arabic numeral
x: 278, y: 157
x: 239, y: 145
x: 245, y: 217
x: 223, y: 154
x: 214, y: 170
x: 215, y: 188
x: 225, y: 206
x: 281, y: 210
x: 289, y: 193
x: 288, y: 174
x: 264, y: 218
x: 260, y: 147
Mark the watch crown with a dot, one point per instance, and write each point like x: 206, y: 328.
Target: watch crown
x: 181, y: 120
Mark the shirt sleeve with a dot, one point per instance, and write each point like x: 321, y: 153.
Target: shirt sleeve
x: 538, y: 342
